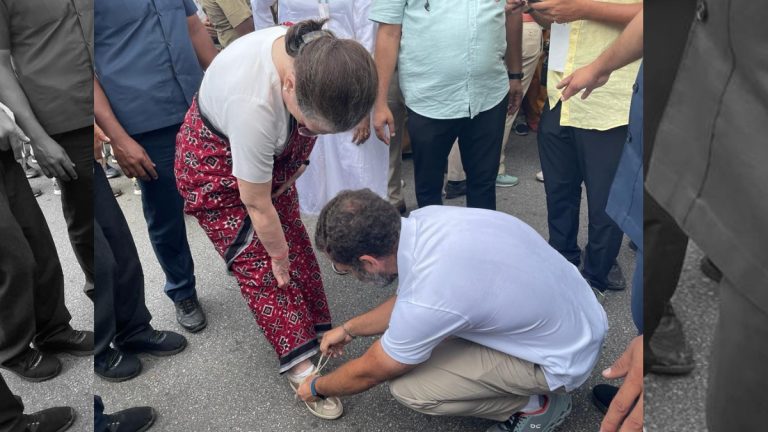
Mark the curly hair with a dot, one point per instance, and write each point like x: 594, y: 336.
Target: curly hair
x: 357, y: 223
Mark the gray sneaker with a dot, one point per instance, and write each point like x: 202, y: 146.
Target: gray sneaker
x: 555, y: 410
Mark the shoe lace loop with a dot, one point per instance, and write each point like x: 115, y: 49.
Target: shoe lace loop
x: 188, y: 305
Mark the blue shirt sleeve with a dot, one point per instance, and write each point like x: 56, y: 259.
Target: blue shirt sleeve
x: 387, y: 11
x: 190, y: 8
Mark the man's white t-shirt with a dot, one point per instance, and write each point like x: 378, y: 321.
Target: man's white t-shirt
x: 241, y: 96
x: 489, y: 278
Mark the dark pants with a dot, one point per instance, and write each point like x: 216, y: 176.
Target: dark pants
x: 569, y: 157
x: 31, y: 281
x: 737, y: 379
x: 77, y: 197
x: 119, y: 311
x: 480, y: 145
x: 11, y: 410
x: 164, y: 213
x: 99, y: 420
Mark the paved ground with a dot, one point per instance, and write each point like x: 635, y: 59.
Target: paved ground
x: 677, y: 403
x: 227, y: 380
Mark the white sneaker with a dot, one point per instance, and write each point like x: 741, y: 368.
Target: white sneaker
x: 329, y: 408
x: 540, y: 176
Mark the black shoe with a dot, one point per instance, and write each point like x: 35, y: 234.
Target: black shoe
x: 131, y: 420
x: 34, y: 366
x: 455, y: 189
x: 632, y: 246
x: 615, y: 280
x: 521, y: 129
x: 75, y: 342
x: 56, y: 419
x: 116, y: 366
x: 37, y: 192
x: 158, y: 343
x: 190, y: 315
x: 602, y: 396
x: 111, y: 172
x: 670, y: 353
x: 710, y: 270
x: 116, y: 192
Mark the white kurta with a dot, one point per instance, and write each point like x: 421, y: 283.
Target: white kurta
x: 336, y: 163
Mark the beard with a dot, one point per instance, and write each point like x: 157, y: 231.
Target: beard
x: 378, y: 279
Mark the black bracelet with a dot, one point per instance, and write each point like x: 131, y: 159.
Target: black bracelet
x: 513, y: 76
x: 314, y: 390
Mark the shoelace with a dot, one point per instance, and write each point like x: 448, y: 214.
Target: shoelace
x: 319, y: 368
x: 188, y: 305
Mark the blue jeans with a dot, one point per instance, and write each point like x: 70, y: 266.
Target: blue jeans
x: 164, y: 213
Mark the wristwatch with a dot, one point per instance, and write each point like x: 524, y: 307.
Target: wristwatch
x: 515, y: 76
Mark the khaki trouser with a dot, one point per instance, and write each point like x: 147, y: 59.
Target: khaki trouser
x: 531, y: 53
x: 463, y: 378
x: 397, y: 106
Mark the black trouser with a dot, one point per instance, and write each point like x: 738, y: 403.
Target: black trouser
x: 31, y: 279
x: 119, y: 311
x: 480, y: 144
x: 99, y: 419
x: 77, y: 197
x: 11, y: 410
x: 569, y: 157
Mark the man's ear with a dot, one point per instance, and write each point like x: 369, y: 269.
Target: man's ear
x: 289, y: 83
x: 371, y: 264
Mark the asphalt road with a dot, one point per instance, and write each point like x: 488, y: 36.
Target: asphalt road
x: 226, y: 380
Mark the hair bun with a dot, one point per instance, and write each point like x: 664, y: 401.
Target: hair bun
x: 302, y: 33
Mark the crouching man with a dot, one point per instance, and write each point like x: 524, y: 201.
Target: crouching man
x: 488, y: 320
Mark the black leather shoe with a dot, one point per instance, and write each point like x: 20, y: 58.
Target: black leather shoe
x: 190, y: 314
x: 158, y: 343
x: 710, y: 270
x: 116, y: 366
x: 602, y: 396
x: 670, y: 353
x: 75, y: 342
x: 455, y: 189
x: 56, y: 419
x: 34, y: 366
x: 615, y: 280
x: 131, y: 420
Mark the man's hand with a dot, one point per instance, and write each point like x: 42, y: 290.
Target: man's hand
x: 304, y: 392
x: 629, y: 366
x: 11, y: 136
x: 99, y: 139
x: 362, y: 131
x: 209, y: 28
x: 561, y: 11
x: 382, y: 117
x: 513, y: 6
x: 515, y: 96
x: 586, y: 78
x: 53, y: 160
x: 333, y: 342
x: 133, y: 159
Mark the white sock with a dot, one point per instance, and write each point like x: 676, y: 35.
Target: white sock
x: 534, y: 404
x: 303, y: 374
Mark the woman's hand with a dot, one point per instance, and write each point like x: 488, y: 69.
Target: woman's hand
x: 281, y: 268
x: 362, y: 131
x: 284, y: 187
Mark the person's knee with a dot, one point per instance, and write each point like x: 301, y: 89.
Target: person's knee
x: 402, y: 389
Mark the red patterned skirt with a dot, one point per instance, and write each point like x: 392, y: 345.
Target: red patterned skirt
x: 290, y: 317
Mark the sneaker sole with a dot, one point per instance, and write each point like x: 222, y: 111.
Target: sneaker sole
x: 36, y: 379
x: 150, y: 423
x: 197, y: 328
x: 560, y: 419
x: 499, y: 185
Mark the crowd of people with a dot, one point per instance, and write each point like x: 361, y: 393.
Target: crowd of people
x: 244, y: 116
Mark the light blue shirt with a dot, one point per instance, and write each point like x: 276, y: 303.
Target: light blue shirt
x: 451, y: 60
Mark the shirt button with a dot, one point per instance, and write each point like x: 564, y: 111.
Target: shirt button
x: 701, y: 11
x: 629, y: 137
x: 635, y: 87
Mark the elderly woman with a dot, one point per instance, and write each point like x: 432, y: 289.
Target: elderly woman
x: 245, y: 140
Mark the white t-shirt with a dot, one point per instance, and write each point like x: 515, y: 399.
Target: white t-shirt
x: 241, y: 96
x: 487, y: 277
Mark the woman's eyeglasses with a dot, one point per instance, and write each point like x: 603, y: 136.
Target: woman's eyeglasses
x: 306, y: 132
